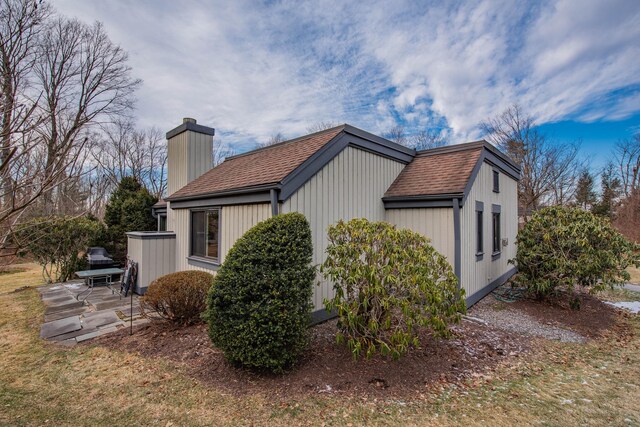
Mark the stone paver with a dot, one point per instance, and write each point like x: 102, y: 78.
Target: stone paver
x: 74, y: 334
x: 60, y: 327
x: 53, y: 295
x: 69, y: 321
x: 75, y: 311
x: 99, y: 318
x: 114, y: 304
x: 98, y: 333
x: 128, y: 312
x: 65, y: 305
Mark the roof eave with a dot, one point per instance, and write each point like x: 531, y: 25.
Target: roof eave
x: 230, y: 192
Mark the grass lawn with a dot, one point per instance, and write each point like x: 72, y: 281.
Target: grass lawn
x: 40, y: 383
x: 20, y: 275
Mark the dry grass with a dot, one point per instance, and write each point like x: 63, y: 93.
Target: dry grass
x: 18, y: 275
x: 619, y: 294
x: 635, y: 275
x: 563, y: 384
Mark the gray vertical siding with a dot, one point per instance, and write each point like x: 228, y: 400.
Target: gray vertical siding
x: 434, y: 223
x: 154, y: 253
x: 477, y: 274
x: 189, y: 156
x: 350, y: 186
x: 235, y: 221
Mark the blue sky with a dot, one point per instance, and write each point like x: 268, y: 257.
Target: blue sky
x: 254, y: 69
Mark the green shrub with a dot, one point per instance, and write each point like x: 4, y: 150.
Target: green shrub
x: 562, y: 247
x: 58, y: 243
x: 390, y: 284
x: 178, y: 297
x: 259, y: 307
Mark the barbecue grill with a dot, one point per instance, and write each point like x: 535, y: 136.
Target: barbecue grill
x: 98, y: 258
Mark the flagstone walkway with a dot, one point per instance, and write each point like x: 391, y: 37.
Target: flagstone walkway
x: 69, y: 320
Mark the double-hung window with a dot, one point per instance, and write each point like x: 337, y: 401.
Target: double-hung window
x: 479, y: 230
x: 205, y: 234
x: 495, y: 225
x: 496, y: 181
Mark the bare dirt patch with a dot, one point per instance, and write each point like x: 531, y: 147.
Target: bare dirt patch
x: 328, y: 368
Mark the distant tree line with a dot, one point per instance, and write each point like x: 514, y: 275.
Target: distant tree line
x: 552, y: 172
x: 67, y: 134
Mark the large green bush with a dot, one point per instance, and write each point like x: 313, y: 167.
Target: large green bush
x: 259, y: 305
x: 178, y: 297
x: 390, y: 284
x: 562, y: 247
x: 128, y: 209
x: 58, y: 243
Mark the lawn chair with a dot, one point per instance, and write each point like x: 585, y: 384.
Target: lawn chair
x: 129, y: 278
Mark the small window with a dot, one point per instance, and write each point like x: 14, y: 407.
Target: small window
x: 496, y: 181
x: 479, y: 230
x: 496, y: 232
x: 162, y: 223
x: 205, y: 226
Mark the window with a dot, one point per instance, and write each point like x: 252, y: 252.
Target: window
x: 496, y: 181
x: 162, y: 222
x: 479, y: 230
x: 496, y: 232
x: 205, y: 226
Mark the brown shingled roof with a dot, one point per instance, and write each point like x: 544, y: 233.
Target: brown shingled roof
x: 264, y: 166
x: 437, y: 172
x: 162, y: 203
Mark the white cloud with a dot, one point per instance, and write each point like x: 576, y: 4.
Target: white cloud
x: 253, y: 70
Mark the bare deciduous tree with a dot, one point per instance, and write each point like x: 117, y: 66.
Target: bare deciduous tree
x: 320, y: 126
x: 423, y: 140
x: 627, y: 157
x: 548, y: 170
x: 58, y: 77
x: 397, y: 134
x: 427, y: 139
x: 276, y: 138
x: 122, y: 150
x: 86, y: 80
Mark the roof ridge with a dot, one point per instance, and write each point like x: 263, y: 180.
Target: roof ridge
x: 289, y: 141
x: 452, y: 148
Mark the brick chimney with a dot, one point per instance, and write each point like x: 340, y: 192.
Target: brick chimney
x: 190, y: 151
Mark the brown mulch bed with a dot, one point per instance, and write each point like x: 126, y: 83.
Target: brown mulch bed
x: 594, y: 319
x: 326, y: 367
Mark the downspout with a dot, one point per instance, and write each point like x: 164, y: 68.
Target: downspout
x: 275, y: 210
x: 457, y: 263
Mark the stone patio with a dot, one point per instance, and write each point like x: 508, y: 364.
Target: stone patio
x: 70, y: 320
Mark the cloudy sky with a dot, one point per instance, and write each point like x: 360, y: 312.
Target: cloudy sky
x: 253, y: 69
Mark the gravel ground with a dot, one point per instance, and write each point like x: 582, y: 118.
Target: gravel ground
x: 516, y: 321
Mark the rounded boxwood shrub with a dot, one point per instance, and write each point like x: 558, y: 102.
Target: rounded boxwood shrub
x: 561, y: 247
x: 178, y: 297
x: 259, y: 308
x: 390, y: 284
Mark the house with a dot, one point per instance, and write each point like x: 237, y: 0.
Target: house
x: 463, y: 197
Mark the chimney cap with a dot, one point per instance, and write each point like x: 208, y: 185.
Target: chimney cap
x: 189, y: 124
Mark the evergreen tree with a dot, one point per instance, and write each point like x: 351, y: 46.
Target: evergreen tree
x: 610, y: 192
x: 585, y: 194
x: 129, y: 209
